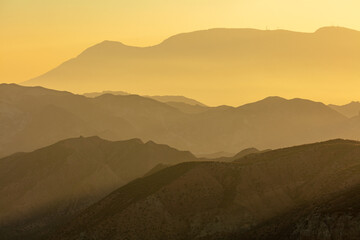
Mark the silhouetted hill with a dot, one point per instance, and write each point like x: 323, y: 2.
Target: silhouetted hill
x: 165, y: 99
x: 218, y: 61
x: 265, y: 123
x: 45, y: 187
x: 97, y: 94
x: 212, y: 200
x: 350, y: 110
x: 33, y: 117
x: 188, y: 108
x: 246, y: 152
x: 177, y: 99
x: 217, y: 155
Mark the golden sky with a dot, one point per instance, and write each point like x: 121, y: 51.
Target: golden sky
x: 38, y: 35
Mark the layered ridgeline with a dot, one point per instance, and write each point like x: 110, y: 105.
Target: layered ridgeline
x: 48, y: 186
x: 165, y: 99
x: 235, y: 61
x: 350, y: 110
x: 33, y: 117
x: 214, y: 200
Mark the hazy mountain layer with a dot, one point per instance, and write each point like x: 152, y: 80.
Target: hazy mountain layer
x: 228, y: 65
x: 33, y: 117
x: 350, y: 110
x: 165, y: 99
x: 212, y: 200
x: 45, y: 187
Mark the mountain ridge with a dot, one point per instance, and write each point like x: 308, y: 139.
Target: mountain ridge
x: 210, y: 200
x: 215, y: 60
x: 45, y: 187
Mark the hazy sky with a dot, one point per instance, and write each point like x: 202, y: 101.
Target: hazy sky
x: 37, y: 35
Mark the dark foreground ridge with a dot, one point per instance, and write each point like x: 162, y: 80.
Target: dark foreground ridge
x: 42, y: 189
x: 214, y: 200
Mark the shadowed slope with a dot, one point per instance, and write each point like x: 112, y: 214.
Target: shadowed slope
x: 211, y: 200
x: 51, y: 184
x: 335, y: 217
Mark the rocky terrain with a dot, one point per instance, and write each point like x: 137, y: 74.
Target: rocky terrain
x: 44, y: 188
x: 213, y: 200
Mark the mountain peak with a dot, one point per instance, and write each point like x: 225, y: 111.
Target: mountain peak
x: 107, y: 48
x: 334, y: 30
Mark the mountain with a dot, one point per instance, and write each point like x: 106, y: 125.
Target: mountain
x: 271, y: 123
x: 213, y: 200
x: 178, y: 99
x: 97, y: 94
x: 188, y: 108
x: 43, y: 188
x: 246, y: 152
x: 166, y: 99
x: 350, y: 110
x: 33, y: 117
x: 235, y: 61
x: 216, y: 155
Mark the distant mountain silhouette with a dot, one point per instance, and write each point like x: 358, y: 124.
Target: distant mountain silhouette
x: 165, y: 99
x: 33, y: 117
x: 177, y: 99
x: 350, y: 110
x: 45, y: 187
x: 97, y: 94
x: 188, y: 108
x: 280, y: 61
x: 213, y: 200
x: 216, y: 155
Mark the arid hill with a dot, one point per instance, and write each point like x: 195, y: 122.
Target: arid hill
x: 212, y: 200
x: 43, y: 188
x: 350, y: 110
x: 235, y: 61
x: 165, y: 99
x: 334, y: 217
x: 33, y: 117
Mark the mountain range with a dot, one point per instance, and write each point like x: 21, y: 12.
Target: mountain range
x: 303, y: 192
x: 219, y: 61
x: 44, y: 188
x: 33, y: 117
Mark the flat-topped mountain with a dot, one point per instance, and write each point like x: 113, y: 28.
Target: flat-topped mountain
x: 235, y: 61
x: 213, y: 200
x: 33, y: 117
x: 45, y: 187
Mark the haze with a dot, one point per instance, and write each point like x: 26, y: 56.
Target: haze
x: 37, y: 36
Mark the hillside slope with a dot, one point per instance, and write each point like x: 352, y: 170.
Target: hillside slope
x: 211, y: 200
x: 45, y: 187
x: 33, y: 117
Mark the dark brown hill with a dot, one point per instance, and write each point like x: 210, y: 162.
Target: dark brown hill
x: 45, y: 187
x: 211, y: 200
